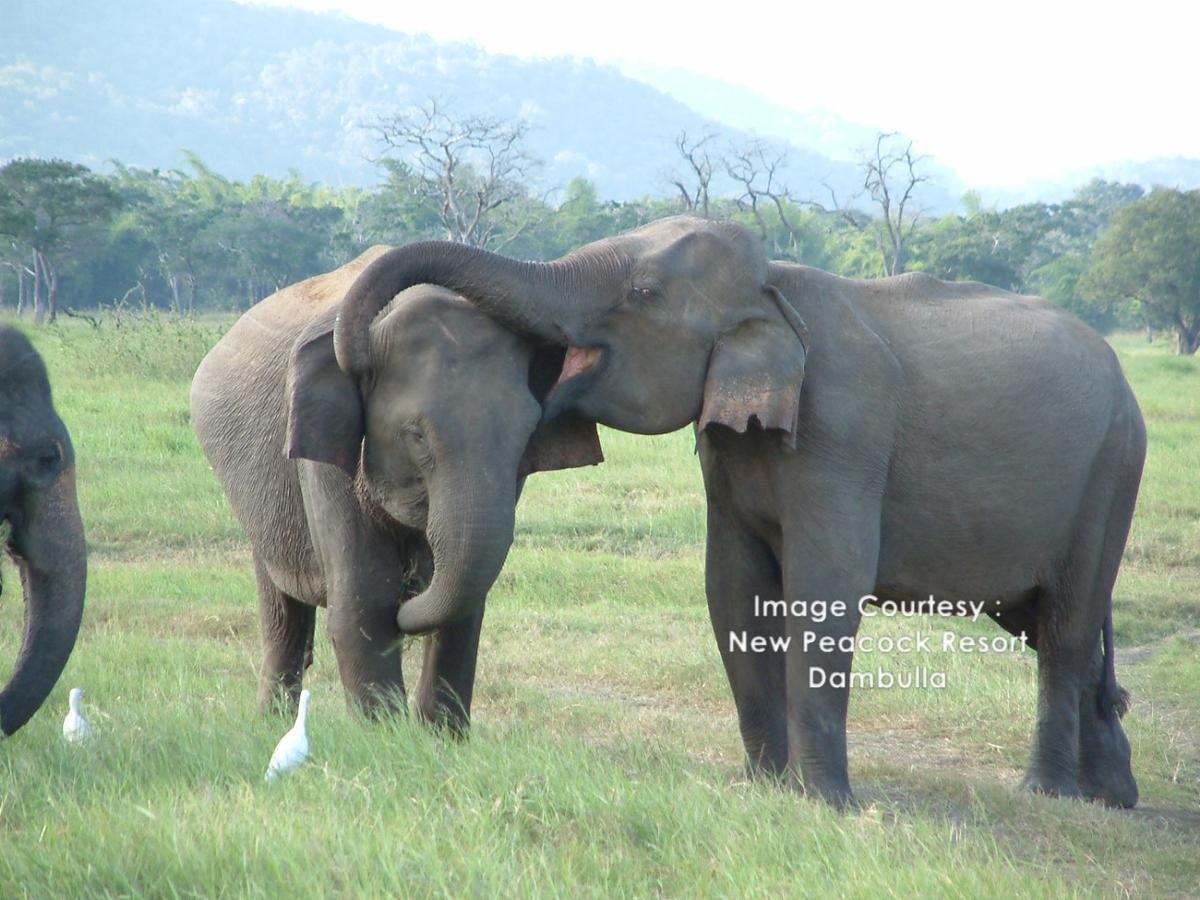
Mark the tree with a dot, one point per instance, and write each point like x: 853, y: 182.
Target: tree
x: 468, y: 168
x: 1149, y: 259
x: 699, y: 167
x: 890, y: 179
x: 967, y: 248
x: 43, y: 205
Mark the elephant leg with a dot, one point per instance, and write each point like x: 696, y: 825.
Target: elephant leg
x: 364, y: 576
x: 1069, y: 622
x: 828, y: 559
x: 1104, y: 770
x: 287, y: 632
x: 1079, y: 746
x: 448, y: 675
x: 739, y: 567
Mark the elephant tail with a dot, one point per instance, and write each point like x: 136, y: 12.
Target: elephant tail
x: 1114, y: 699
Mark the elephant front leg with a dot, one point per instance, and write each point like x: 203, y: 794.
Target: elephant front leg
x: 741, y: 582
x: 448, y: 675
x: 829, y: 565
x: 367, y: 644
x: 818, y: 696
x: 364, y: 577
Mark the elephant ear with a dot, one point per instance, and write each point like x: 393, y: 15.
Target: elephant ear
x: 325, y: 410
x: 566, y: 442
x: 755, y: 374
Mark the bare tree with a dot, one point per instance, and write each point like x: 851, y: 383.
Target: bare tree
x: 889, y: 179
x: 757, y: 168
x: 699, y: 167
x: 892, y: 192
x: 469, y: 169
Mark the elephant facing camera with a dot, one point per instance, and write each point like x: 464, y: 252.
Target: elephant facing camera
x: 385, y: 492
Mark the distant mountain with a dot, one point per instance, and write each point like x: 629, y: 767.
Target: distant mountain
x: 818, y: 130
x: 254, y: 89
x: 267, y: 90
x: 1166, y: 171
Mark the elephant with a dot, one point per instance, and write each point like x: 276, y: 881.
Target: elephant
x: 399, y: 482
x: 862, y: 442
x: 45, y: 539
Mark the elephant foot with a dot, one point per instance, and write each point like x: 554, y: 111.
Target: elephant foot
x: 835, y: 792
x: 1116, y: 793
x: 1051, y: 785
x: 1111, y: 783
x: 278, y: 698
x: 1105, y: 771
x: 374, y: 702
x: 765, y: 769
x: 448, y: 720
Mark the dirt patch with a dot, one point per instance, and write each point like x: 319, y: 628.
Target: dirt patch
x: 1132, y: 656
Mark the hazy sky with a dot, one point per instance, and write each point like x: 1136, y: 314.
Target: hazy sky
x: 1004, y: 92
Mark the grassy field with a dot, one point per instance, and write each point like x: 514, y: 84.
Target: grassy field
x: 605, y: 758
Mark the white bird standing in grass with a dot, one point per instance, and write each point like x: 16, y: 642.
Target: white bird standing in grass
x: 292, y: 748
x: 76, y: 729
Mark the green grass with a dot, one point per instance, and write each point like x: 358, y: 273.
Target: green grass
x: 605, y: 758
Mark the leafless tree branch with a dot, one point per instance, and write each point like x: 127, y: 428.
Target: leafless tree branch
x: 468, y: 167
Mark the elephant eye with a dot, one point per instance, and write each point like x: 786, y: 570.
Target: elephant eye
x: 643, y: 292
x: 49, y: 458
x: 419, y: 444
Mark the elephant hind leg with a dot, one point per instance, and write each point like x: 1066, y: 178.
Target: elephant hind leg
x: 1104, y: 767
x: 287, y: 636
x: 1080, y: 749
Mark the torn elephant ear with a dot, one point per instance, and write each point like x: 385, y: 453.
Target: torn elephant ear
x: 566, y: 442
x: 755, y: 374
x: 325, y: 414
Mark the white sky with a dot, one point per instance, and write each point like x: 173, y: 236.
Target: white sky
x: 1003, y: 92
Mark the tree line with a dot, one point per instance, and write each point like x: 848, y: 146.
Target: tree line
x: 191, y: 240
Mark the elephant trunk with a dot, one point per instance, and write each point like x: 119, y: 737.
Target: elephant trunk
x: 51, y: 554
x: 469, y: 538
x: 530, y: 298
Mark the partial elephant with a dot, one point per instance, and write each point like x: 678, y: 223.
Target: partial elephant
x: 395, y: 482
x: 896, y: 438
x: 45, y: 539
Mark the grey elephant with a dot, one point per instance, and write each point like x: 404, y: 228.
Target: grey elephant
x: 356, y: 489
x: 45, y: 540
x: 896, y: 439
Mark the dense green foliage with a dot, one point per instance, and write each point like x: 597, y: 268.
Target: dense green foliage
x: 194, y: 241
x: 605, y: 759
x: 1148, y: 262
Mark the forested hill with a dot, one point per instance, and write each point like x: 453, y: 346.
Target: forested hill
x: 265, y: 90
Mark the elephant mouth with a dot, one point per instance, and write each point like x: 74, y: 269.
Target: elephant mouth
x: 578, y: 370
x: 577, y: 361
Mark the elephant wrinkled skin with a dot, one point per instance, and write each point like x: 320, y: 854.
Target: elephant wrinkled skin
x: 46, y: 541
x: 401, y: 475
x: 901, y: 437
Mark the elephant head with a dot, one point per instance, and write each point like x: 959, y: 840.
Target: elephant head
x: 439, y: 425
x: 673, y: 323
x: 37, y: 500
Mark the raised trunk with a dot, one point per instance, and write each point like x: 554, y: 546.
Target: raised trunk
x: 469, y: 539
x: 51, y: 555
x: 538, y: 299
